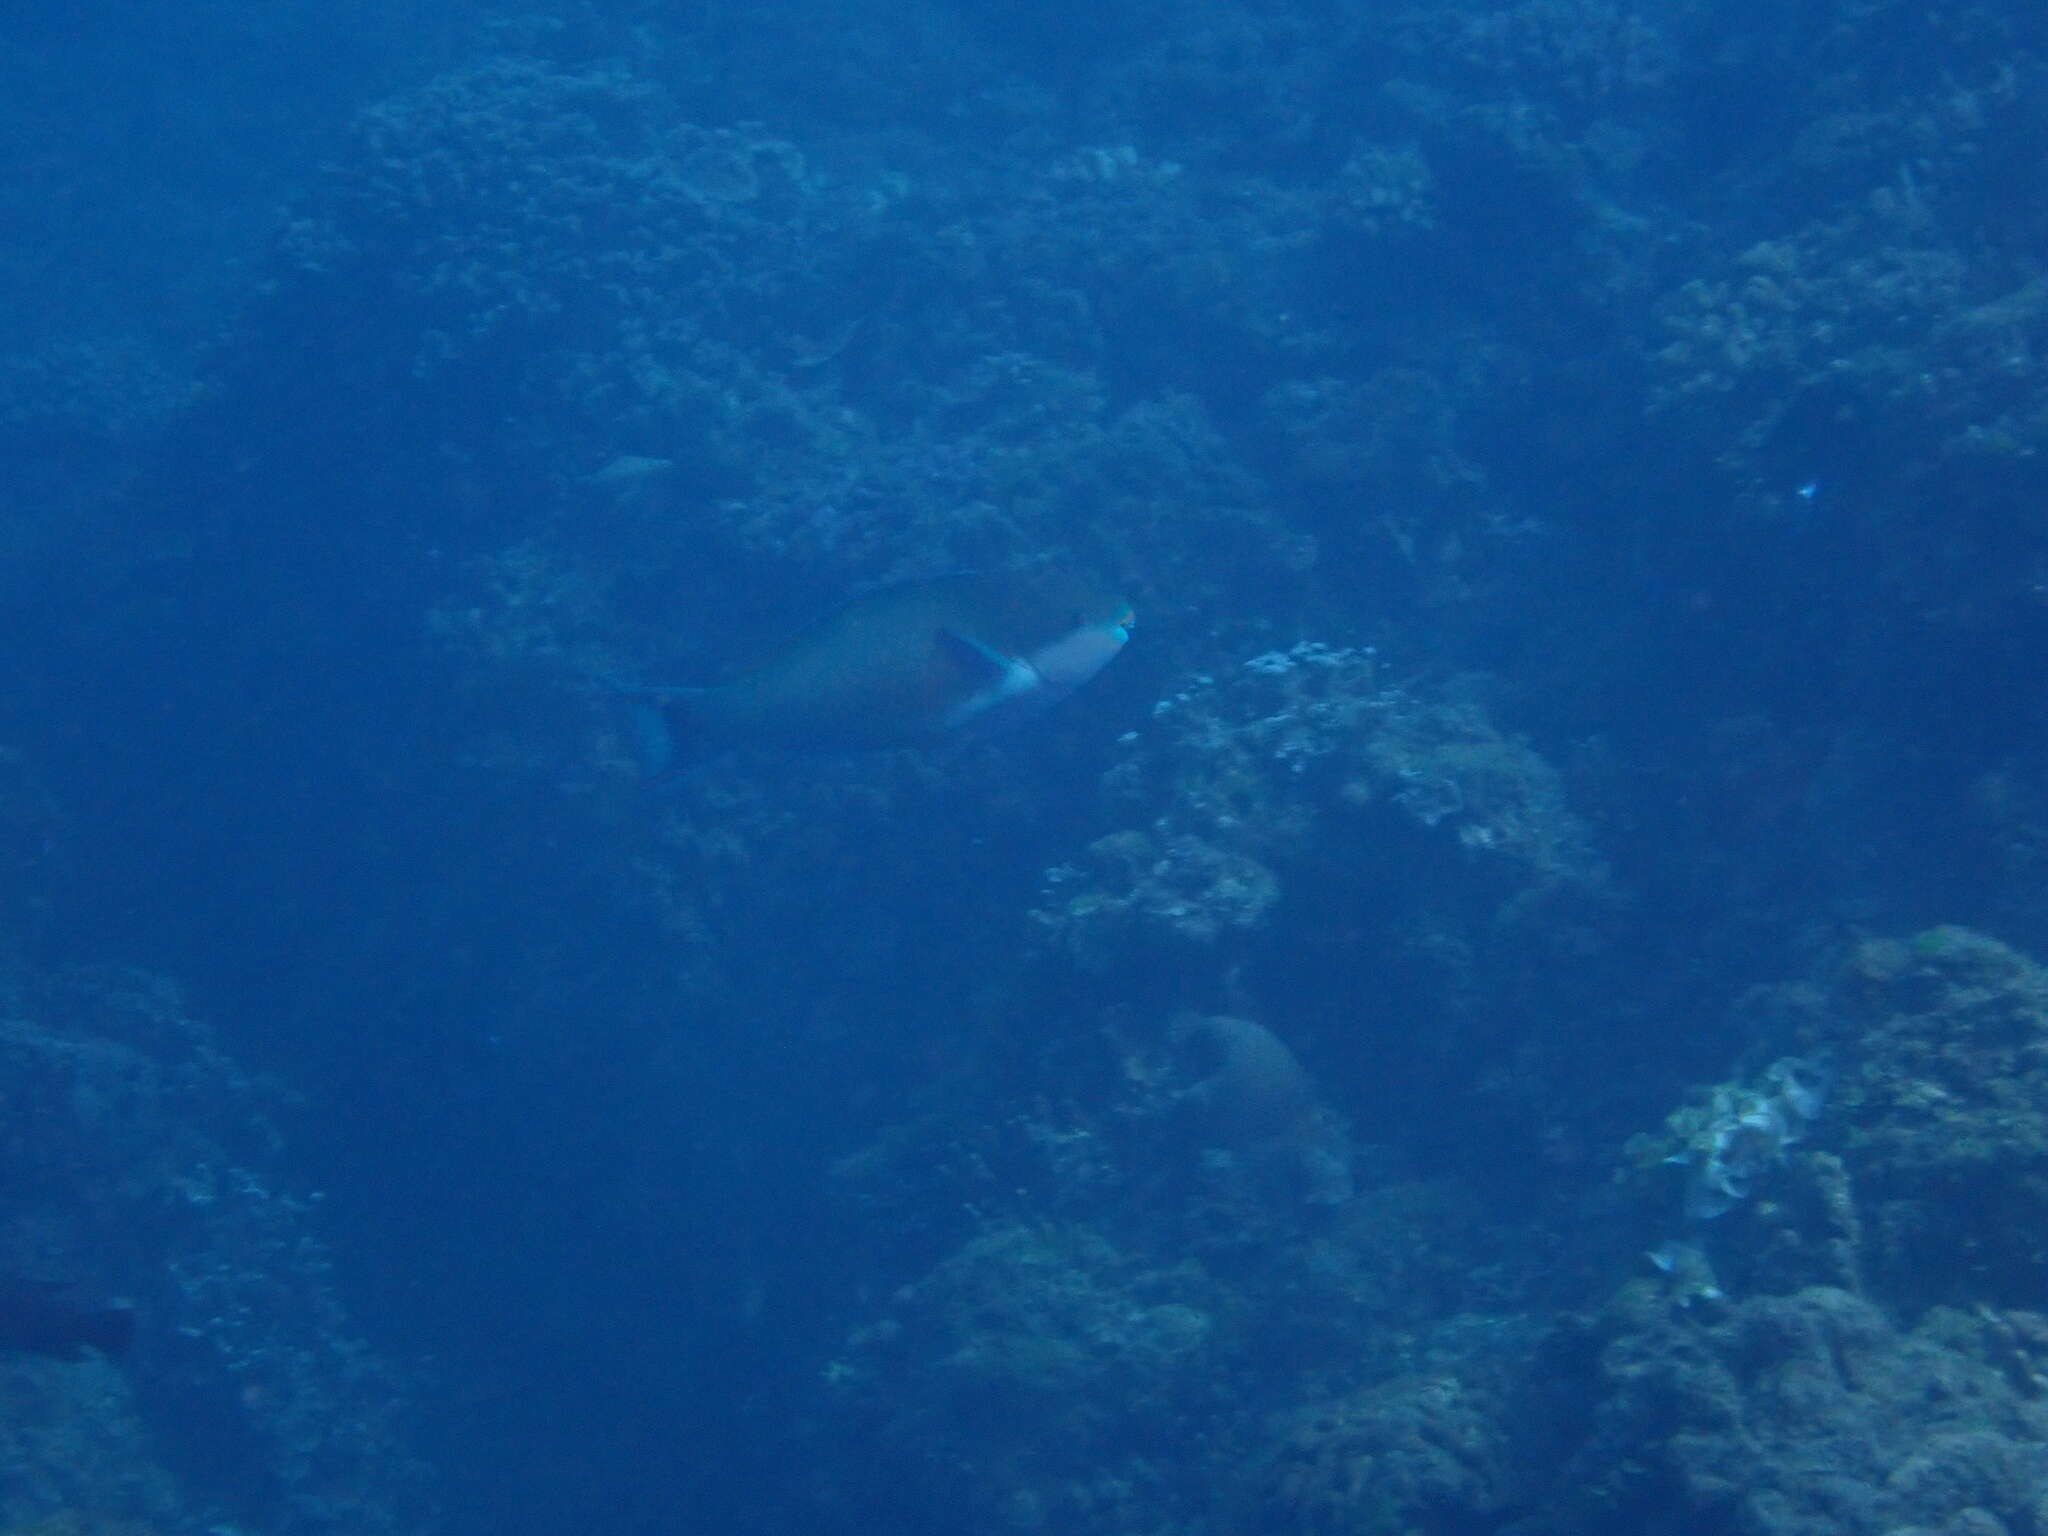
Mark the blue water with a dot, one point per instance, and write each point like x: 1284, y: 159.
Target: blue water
x: 1638, y: 415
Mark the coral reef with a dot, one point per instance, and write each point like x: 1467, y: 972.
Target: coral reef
x: 1055, y: 1369
x: 1280, y: 819
x: 1908, y: 1167
x: 1394, y: 1456
x: 1944, y: 1096
x: 1684, y: 371
x: 1296, y: 759
x: 1682, y: 1404
x: 1809, y: 1316
x: 72, y: 1438
x: 140, y: 1161
x: 818, y: 371
x: 1804, y: 1412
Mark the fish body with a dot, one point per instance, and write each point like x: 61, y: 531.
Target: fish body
x: 903, y: 665
x: 46, y: 1317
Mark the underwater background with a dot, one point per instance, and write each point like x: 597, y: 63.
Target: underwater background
x: 1517, y: 1005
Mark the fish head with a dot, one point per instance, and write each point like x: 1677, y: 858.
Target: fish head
x: 1094, y: 635
x: 1044, y: 640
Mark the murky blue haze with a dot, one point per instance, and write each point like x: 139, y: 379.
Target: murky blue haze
x: 1510, y: 1006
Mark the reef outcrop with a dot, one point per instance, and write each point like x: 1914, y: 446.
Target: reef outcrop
x: 141, y: 1162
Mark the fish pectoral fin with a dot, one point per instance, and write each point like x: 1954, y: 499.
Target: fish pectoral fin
x: 995, y: 680
x: 980, y: 661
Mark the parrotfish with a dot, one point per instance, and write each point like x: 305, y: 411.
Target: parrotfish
x: 903, y: 665
x: 48, y: 1317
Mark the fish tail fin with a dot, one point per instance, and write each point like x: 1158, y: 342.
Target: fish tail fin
x: 654, y: 744
x: 663, y: 728
x: 110, y: 1329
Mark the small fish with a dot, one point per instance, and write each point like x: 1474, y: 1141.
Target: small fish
x: 903, y: 665
x: 48, y: 1317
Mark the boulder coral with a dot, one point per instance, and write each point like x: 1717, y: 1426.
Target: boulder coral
x: 1248, y: 1095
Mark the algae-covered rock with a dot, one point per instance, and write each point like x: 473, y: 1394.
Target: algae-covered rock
x: 1029, y: 1373
x: 1944, y: 1101
x: 1791, y: 1414
x: 1391, y: 1455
